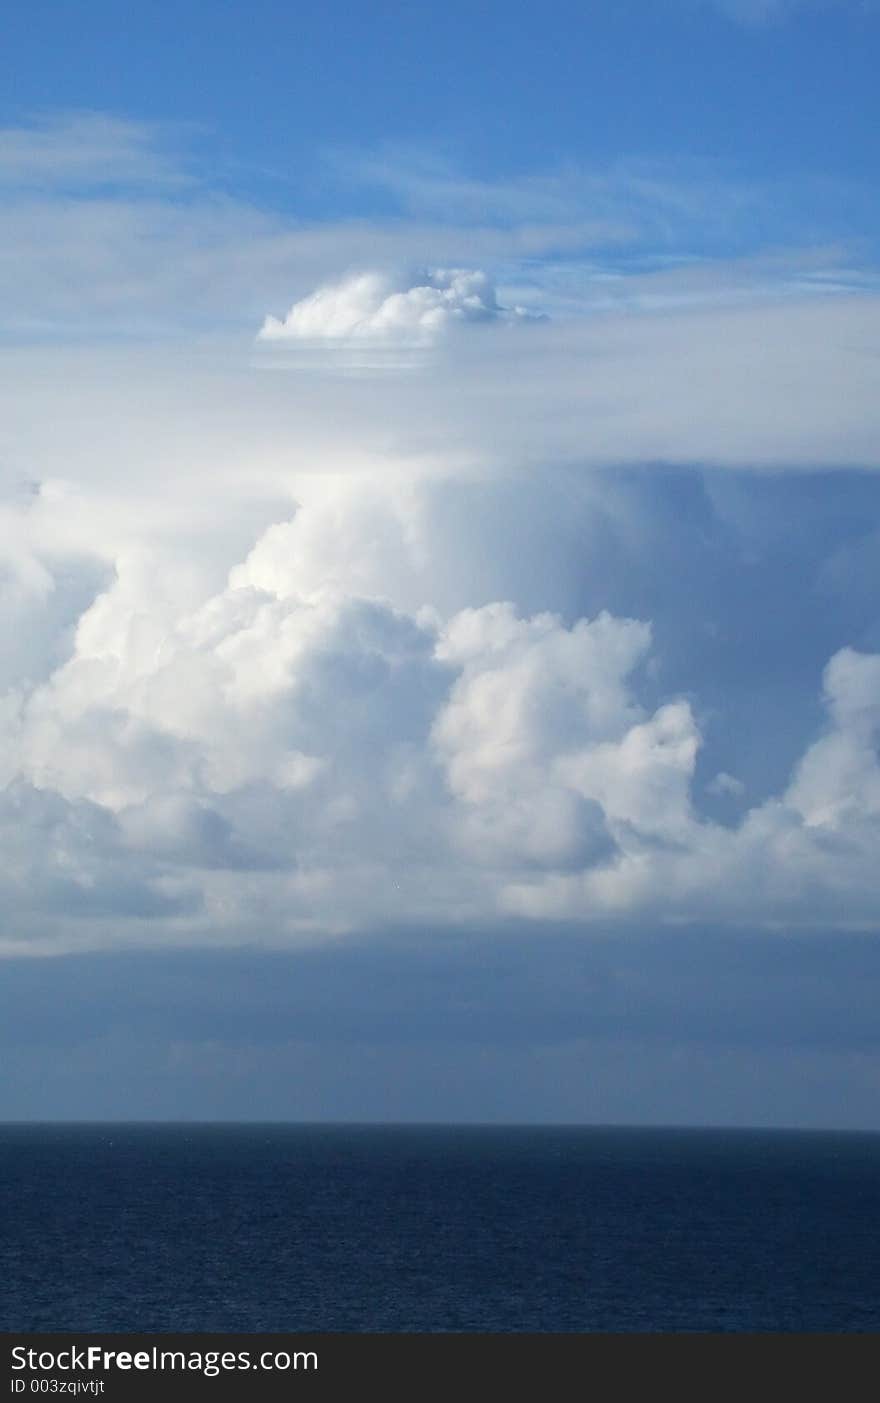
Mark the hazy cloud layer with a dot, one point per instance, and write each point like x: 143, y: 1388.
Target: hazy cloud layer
x: 692, y: 1027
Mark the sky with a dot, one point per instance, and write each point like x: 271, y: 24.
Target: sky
x: 439, y: 526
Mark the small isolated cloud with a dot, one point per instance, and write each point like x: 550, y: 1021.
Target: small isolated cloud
x: 376, y: 306
x: 758, y: 12
x: 755, y: 11
x: 725, y: 784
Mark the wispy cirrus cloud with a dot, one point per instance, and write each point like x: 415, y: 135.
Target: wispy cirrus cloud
x: 112, y: 227
x: 90, y: 151
x: 763, y: 12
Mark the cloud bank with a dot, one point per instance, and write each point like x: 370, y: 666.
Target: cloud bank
x: 325, y: 744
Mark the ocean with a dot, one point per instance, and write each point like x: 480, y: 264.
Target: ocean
x: 301, y: 1228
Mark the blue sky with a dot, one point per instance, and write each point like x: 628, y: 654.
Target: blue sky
x: 781, y: 92
x: 440, y: 668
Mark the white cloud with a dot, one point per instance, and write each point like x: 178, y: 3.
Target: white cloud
x: 315, y: 747
x: 837, y: 784
x: 376, y: 306
x: 532, y: 700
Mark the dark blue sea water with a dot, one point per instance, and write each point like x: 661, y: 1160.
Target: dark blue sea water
x: 329, y: 1228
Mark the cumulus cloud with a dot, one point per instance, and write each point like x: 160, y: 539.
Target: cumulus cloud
x: 837, y: 784
x: 532, y: 701
x: 376, y: 306
x: 316, y: 747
